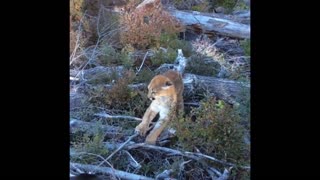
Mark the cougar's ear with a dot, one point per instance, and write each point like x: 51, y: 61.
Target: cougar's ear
x: 167, y: 85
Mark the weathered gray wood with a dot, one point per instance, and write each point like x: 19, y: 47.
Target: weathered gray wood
x: 91, y: 128
x: 91, y: 73
x: 108, y: 171
x: 228, y: 25
x: 227, y: 90
x: 210, y: 24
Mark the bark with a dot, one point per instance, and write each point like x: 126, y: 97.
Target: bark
x: 209, y: 24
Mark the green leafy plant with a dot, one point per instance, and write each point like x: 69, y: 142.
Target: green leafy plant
x: 245, y: 44
x: 202, y: 65
x: 214, y: 129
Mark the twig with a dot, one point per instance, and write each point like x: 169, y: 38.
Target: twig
x: 195, y: 156
x: 192, y: 104
x: 76, y: 169
x: 214, y: 170
x: 217, y: 41
x: 76, y: 125
x: 77, y: 41
x: 74, y: 79
x: 109, y: 171
x: 211, y: 158
x: 177, y: 152
x: 91, y: 57
x: 107, y: 162
x: 165, y: 174
x: 92, y: 154
x: 119, y: 148
x: 133, y: 162
x: 105, y: 115
x: 144, y: 58
x: 181, y: 166
x: 225, y: 174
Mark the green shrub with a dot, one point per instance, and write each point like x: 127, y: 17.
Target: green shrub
x: 160, y: 57
x: 227, y: 4
x: 144, y: 76
x: 202, y: 65
x: 88, y: 144
x: 214, y: 128
x: 245, y: 44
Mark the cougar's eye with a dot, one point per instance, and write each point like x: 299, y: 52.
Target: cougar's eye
x: 168, y: 83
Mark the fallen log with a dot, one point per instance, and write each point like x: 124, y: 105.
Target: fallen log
x: 207, y: 23
x: 236, y: 26
x: 227, y: 90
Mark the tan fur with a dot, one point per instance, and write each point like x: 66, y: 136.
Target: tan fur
x: 165, y: 91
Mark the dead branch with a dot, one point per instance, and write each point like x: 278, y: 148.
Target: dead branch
x: 91, y: 128
x: 144, y: 58
x: 139, y: 86
x: 75, y: 154
x: 105, y: 115
x: 215, y: 171
x: 74, y: 79
x: 108, y: 171
x: 77, y: 45
x: 165, y: 174
x: 132, y: 161
x: 97, y: 71
x: 119, y: 148
x: 191, y: 155
x: 225, y: 174
x: 112, y: 146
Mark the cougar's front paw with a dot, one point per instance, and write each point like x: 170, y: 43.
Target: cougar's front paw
x: 151, y: 140
x: 141, y: 129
